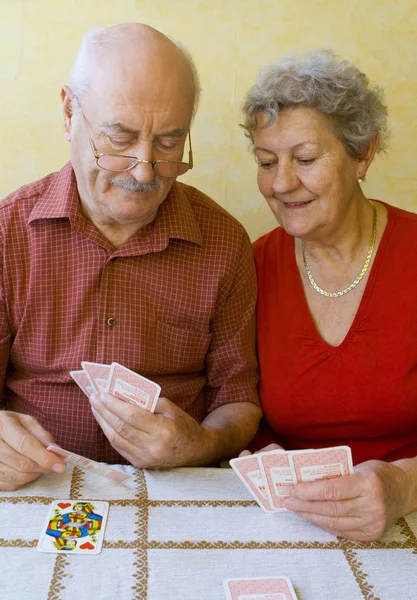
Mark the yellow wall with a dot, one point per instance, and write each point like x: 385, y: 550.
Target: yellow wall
x: 230, y: 40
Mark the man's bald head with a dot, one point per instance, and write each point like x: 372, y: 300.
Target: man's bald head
x: 135, y: 51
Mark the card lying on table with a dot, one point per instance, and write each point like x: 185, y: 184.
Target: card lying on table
x: 259, y: 588
x: 74, y: 526
x: 269, y: 476
x: 86, y: 464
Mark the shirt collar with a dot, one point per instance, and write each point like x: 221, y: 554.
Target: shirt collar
x: 60, y: 199
x: 175, y: 219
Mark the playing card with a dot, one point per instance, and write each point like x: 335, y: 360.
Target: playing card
x: 259, y: 588
x: 248, y: 469
x: 74, y: 526
x: 82, y: 380
x: 90, y: 465
x: 98, y: 374
x: 324, y: 463
x: 133, y: 388
x: 275, y: 466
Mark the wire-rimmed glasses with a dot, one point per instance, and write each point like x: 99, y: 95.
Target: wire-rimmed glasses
x: 118, y: 163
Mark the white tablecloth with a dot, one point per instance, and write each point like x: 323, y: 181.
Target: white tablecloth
x: 179, y: 533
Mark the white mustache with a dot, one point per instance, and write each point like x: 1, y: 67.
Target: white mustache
x: 134, y: 186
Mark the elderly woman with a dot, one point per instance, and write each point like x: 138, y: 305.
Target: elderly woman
x: 337, y: 307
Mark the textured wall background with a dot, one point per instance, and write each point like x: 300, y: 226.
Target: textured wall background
x: 230, y: 40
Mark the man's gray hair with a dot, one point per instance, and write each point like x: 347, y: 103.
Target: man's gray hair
x: 337, y: 89
x: 99, y: 39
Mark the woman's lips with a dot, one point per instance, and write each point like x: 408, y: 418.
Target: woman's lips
x: 297, y: 204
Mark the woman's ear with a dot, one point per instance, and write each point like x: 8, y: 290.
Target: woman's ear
x: 364, y: 163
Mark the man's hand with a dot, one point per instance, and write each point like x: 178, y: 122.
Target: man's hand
x: 170, y: 437
x: 358, y: 506
x: 23, y: 454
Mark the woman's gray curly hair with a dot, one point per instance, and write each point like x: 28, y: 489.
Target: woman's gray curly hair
x: 337, y: 89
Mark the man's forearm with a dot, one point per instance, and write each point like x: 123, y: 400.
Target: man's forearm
x: 226, y: 432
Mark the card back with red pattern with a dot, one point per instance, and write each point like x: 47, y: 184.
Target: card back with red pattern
x: 248, y: 469
x: 83, y: 381
x: 259, y: 588
x: 278, y: 475
x: 323, y: 463
x: 133, y: 388
x: 98, y: 375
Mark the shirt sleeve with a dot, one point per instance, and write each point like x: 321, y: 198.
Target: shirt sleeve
x: 5, y: 337
x: 232, y: 370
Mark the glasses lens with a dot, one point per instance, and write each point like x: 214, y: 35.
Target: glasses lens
x: 165, y: 168
x: 111, y: 162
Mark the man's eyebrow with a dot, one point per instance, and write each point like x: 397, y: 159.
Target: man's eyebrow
x: 117, y: 128
x: 121, y: 128
x: 174, y: 133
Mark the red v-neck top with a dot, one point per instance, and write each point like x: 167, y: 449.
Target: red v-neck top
x: 362, y: 393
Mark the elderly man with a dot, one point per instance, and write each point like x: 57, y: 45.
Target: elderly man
x: 111, y: 259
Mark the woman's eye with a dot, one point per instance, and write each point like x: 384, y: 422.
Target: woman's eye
x: 264, y: 165
x: 306, y: 161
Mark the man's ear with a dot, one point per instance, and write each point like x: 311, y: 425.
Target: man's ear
x: 67, y: 99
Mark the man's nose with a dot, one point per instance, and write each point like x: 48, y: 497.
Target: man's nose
x: 143, y: 172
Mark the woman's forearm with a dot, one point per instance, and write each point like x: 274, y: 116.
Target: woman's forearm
x: 409, y: 484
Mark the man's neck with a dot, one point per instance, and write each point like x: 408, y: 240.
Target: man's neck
x: 116, y: 233
x: 118, y: 236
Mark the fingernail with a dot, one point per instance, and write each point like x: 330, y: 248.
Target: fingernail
x: 58, y: 468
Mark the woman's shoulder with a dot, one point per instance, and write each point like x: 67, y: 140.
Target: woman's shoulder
x: 402, y: 227
x: 270, y: 242
x: 399, y: 214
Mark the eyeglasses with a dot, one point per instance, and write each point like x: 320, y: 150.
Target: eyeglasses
x: 120, y: 162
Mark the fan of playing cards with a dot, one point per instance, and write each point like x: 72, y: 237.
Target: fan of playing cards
x: 269, y: 476
x: 119, y: 381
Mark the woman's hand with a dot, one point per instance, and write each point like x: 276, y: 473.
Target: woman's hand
x: 266, y: 449
x: 358, y: 506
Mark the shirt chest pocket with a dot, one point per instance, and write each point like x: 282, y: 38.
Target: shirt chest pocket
x: 177, y: 350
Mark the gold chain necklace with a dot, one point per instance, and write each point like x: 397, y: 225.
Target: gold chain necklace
x: 361, y: 274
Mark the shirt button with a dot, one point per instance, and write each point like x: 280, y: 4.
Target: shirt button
x: 111, y: 321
